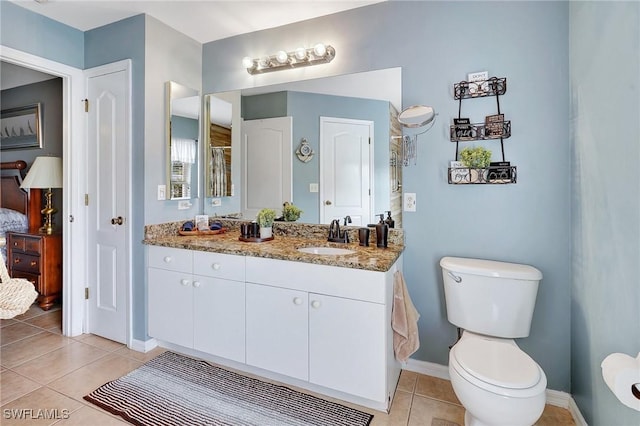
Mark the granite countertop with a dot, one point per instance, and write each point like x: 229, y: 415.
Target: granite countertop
x: 284, y: 247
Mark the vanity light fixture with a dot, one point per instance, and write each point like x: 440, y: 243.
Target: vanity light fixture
x: 301, y: 57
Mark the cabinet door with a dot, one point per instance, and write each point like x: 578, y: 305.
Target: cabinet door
x: 170, y: 306
x: 346, y: 345
x: 277, y: 330
x: 218, y: 313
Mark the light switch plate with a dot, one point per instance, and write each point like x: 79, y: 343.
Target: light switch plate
x: 313, y: 187
x: 409, y: 204
x: 162, y: 192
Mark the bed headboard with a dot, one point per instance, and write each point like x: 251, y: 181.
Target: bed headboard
x: 15, y: 198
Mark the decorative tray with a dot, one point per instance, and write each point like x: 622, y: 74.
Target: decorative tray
x: 255, y: 239
x: 205, y: 232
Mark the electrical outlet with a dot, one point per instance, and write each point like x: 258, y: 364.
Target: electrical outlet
x: 409, y: 204
x: 313, y: 187
x: 184, y: 205
x: 162, y: 192
x: 217, y: 202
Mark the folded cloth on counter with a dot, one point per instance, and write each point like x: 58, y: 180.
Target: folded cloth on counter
x: 404, y: 320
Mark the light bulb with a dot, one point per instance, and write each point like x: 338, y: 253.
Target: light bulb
x: 282, y: 57
x: 301, y: 53
x: 264, y: 62
x: 319, y: 49
x: 247, y: 62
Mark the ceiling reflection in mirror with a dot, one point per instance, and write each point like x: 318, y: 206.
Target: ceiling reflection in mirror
x: 371, y: 97
x: 183, y: 133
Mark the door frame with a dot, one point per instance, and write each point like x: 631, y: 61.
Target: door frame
x: 122, y: 65
x: 370, y: 124
x: 74, y: 182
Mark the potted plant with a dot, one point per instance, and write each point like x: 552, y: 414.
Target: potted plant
x: 476, y: 158
x: 290, y: 213
x: 265, y: 220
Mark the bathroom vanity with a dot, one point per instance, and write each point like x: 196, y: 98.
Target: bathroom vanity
x: 318, y: 322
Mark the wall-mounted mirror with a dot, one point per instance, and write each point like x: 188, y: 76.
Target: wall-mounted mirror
x: 183, y: 133
x: 371, y: 97
x: 218, y: 137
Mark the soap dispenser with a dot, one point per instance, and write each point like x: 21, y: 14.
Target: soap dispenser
x: 382, y: 232
x: 389, y: 220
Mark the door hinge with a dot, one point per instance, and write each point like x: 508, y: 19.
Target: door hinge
x: 369, y: 140
x: 86, y: 105
x: 86, y: 293
x: 86, y: 199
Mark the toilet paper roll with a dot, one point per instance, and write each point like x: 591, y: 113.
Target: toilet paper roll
x: 621, y: 373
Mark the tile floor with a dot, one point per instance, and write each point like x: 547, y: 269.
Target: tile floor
x: 42, y: 370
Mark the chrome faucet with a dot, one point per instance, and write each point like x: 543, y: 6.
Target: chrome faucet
x: 334, y: 233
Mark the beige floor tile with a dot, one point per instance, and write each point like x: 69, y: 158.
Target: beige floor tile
x: 17, y: 331
x: 56, y: 364
x: 84, y: 380
x: 14, y: 386
x: 399, y: 413
x: 436, y: 388
x: 140, y: 356
x: 90, y: 416
x: 555, y: 416
x: 46, y: 320
x: 6, y: 322
x: 34, y: 310
x: 424, y: 410
x: 32, y: 347
x: 407, y: 382
x: 100, y: 342
x: 40, y: 407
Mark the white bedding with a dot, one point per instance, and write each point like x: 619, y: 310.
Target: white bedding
x: 10, y: 220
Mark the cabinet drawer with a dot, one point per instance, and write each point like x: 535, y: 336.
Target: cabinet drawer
x: 26, y: 244
x: 25, y: 262
x: 219, y: 265
x: 171, y: 259
x: 32, y: 278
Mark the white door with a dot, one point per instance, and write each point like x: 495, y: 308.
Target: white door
x: 345, y: 170
x: 266, y: 164
x: 108, y: 185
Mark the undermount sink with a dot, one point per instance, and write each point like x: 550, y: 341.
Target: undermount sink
x: 325, y: 251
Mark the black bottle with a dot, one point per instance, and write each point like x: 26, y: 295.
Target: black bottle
x: 389, y: 221
x: 382, y: 232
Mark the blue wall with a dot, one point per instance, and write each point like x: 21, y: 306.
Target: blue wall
x: 437, y: 44
x: 29, y: 32
x: 605, y: 121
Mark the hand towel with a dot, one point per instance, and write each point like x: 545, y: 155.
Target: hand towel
x: 404, y: 320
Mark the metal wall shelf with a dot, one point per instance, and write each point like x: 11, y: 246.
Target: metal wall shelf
x: 476, y: 132
x: 478, y: 89
x: 490, y: 175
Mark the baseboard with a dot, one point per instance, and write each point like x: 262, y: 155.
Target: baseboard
x: 554, y: 397
x: 143, y: 345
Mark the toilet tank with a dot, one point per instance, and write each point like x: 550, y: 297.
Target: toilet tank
x: 490, y: 297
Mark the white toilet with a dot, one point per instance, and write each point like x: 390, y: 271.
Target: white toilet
x: 496, y: 382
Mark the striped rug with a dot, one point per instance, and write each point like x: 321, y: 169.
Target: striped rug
x: 173, y: 389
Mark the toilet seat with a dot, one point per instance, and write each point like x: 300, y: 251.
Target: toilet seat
x: 497, y: 366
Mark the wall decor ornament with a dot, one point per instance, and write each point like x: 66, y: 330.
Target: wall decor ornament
x: 304, y: 151
x: 21, y: 128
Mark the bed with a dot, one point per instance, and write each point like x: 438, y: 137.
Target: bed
x: 19, y: 209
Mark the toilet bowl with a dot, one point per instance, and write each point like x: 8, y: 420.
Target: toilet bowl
x: 496, y: 382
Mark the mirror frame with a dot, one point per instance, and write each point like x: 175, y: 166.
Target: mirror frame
x: 175, y: 91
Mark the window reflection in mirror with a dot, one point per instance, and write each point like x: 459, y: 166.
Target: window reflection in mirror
x: 183, y: 133
x: 218, y: 145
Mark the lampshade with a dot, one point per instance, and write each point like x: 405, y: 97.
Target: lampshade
x: 46, y: 172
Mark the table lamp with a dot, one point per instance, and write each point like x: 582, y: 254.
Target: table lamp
x: 45, y: 173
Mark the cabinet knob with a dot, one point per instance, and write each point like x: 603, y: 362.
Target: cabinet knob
x: 196, y: 284
x: 297, y: 301
x: 184, y: 281
x: 33, y: 263
x: 315, y: 304
x: 16, y: 261
x: 167, y: 259
x: 216, y: 266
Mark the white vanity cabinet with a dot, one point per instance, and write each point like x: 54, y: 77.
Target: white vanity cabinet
x: 197, y: 300
x: 336, y: 330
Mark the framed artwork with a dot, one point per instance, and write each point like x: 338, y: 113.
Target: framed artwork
x: 21, y: 128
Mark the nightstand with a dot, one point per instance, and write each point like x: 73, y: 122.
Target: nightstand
x: 37, y: 258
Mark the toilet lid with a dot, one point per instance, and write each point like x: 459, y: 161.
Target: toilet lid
x: 498, y: 363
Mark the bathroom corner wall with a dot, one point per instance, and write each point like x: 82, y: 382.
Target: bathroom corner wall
x: 605, y: 112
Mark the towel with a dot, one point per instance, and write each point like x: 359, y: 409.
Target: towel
x: 404, y: 320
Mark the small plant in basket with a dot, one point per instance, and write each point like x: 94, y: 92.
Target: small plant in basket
x: 266, y: 217
x: 290, y: 213
x: 476, y: 158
